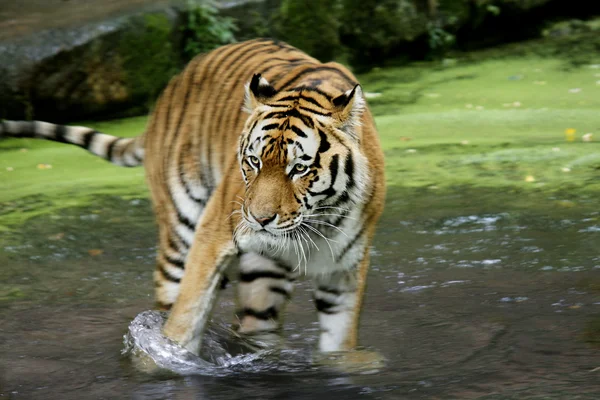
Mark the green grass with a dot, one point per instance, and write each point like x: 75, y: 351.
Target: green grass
x: 497, y: 123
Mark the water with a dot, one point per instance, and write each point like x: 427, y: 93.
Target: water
x: 478, y: 301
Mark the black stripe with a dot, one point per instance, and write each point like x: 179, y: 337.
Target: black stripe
x: 325, y: 306
x: 351, y: 243
x: 174, y: 247
x: 274, y: 114
x: 265, y: 315
x: 298, y: 131
x: 247, y: 277
x: 324, y: 144
x: 333, y: 170
x: 174, y: 85
x: 281, y: 291
x: 185, y: 220
x: 111, y: 148
x: 349, y: 171
x: 183, y: 242
x: 184, y: 182
x: 174, y: 262
x: 87, y: 139
x: 311, y: 100
x: 330, y: 290
x: 307, y: 71
x: 60, y: 134
x: 314, y: 89
x: 188, y: 92
x: 269, y: 127
x: 313, y: 111
x: 167, y: 275
x: 286, y: 98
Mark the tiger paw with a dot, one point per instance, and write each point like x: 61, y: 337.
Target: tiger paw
x: 360, y: 361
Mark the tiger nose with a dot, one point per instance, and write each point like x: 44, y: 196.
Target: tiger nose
x: 262, y: 220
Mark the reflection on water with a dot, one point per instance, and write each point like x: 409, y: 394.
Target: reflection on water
x: 478, y: 303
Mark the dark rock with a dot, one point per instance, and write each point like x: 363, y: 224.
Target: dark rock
x: 99, y: 69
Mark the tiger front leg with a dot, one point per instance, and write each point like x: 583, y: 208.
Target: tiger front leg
x: 338, y: 299
x: 210, y: 254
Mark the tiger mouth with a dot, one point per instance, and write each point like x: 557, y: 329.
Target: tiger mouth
x: 277, y: 231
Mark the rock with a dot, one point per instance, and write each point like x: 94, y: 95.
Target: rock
x: 105, y: 68
x: 89, y: 59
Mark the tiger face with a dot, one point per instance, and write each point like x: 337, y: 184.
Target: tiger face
x: 299, y: 155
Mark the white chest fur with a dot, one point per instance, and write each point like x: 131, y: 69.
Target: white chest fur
x: 310, y: 253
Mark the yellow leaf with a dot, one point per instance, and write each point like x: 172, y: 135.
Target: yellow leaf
x: 95, y: 252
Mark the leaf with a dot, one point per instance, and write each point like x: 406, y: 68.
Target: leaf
x: 95, y: 252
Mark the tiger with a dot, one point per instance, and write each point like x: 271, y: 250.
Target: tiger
x: 256, y: 153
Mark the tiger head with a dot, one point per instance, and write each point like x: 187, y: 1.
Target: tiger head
x: 299, y: 155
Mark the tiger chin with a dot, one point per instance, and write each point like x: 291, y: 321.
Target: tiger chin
x: 256, y: 152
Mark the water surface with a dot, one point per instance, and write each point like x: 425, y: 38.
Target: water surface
x: 465, y: 299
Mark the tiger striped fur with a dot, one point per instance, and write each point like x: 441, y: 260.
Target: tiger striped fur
x: 260, y: 153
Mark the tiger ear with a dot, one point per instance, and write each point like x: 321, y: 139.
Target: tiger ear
x: 348, y: 109
x: 258, y: 90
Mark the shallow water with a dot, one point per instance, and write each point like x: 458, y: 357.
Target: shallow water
x: 475, y: 301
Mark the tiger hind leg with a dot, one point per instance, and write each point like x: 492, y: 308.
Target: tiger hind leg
x: 265, y: 286
x: 337, y: 299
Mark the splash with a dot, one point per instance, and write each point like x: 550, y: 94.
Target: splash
x: 223, y: 351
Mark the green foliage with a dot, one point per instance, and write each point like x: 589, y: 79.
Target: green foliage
x: 310, y: 25
x: 148, y: 56
x: 373, y: 29
x: 439, y: 39
x: 205, y: 30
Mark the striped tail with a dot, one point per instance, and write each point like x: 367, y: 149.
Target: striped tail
x: 126, y: 152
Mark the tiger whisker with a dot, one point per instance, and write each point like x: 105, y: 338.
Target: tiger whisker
x: 327, y: 240
x: 303, y: 255
x: 337, y: 208
x: 232, y: 214
x: 301, y: 233
x: 313, y: 221
x: 308, y: 236
x: 336, y: 215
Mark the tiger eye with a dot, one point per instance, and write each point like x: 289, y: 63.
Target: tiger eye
x: 300, y: 168
x: 254, y: 161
